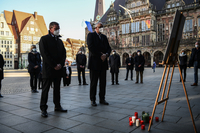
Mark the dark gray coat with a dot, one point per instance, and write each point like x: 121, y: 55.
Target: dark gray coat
x: 183, y: 59
x: 139, y: 60
x: 114, y: 63
x: 34, y: 60
x: 1, y: 66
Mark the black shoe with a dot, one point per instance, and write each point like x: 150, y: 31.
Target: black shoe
x: 117, y: 83
x: 44, y: 114
x: 1, y: 96
x: 141, y: 82
x: 60, y: 109
x: 93, y: 103
x: 79, y: 84
x: 85, y: 84
x: 125, y: 79
x: 112, y: 84
x: 136, y: 82
x: 35, y: 91
x: 132, y: 79
x: 104, y: 102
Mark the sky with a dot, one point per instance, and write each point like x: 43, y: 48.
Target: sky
x: 68, y: 13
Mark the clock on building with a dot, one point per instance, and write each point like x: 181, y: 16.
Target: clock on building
x: 98, y: 17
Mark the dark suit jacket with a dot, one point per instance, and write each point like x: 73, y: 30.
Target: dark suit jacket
x: 139, y: 60
x: 1, y: 66
x: 53, y: 52
x: 81, y: 60
x: 130, y: 61
x: 114, y: 63
x: 191, y: 61
x: 97, y: 47
x: 34, y: 60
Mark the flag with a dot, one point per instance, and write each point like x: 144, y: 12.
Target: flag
x: 148, y: 23
x: 89, y: 26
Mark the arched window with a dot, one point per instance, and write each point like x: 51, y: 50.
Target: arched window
x: 2, y: 25
x: 138, y: 3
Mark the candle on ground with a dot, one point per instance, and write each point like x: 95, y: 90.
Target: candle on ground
x: 136, y: 115
x: 131, y: 123
x: 133, y: 119
x: 143, y: 127
x: 130, y: 119
x: 141, y: 122
x: 157, y: 119
x: 137, y: 122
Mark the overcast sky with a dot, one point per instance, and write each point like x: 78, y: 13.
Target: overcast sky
x: 69, y: 13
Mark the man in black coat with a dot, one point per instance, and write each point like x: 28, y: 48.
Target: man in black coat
x: 139, y: 66
x: 183, y: 63
x: 114, y: 63
x: 195, y: 61
x: 99, y: 51
x: 1, y: 71
x: 54, y: 55
x: 129, y: 66
x: 81, y: 63
x: 67, y: 72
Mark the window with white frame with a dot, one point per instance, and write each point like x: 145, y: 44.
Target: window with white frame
x: 137, y: 26
x: 4, y: 41
x: 138, y: 3
x: 30, y: 38
x: 198, y: 22
x: 7, y: 33
x: 133, y: 5
x: 2, y: 25
x: 36, y: 30
x: 32, y: 29
x: 32, y: 22
x: 127, y: 28
x: 188, y: 26
x: 38, y: 38
x: 168, y: 6
x: 177, y: 4
x: 133, y: 27
x: 27, y: 28
x: 2, y: 32
x: 173, y: 5
x: 34, y: 38
x: 7, y: 42
x: 10, y: 42
x: 123, y: 28
x: 25, y: 37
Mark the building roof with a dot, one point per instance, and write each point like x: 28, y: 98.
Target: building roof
x: 23, y: 17
x: 71, y: 41
x: 12, y: 29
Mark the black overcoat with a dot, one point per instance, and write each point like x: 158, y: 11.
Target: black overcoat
x: 139, y: 60
x: 183, y: 59
x: 128, y: 60
x: 81, y: 60
x: 34, y: 60
x: 191, y: 61
x: 1, y: 66
x: 53, y: 52
x: 97, y: 47
x: 67, y: 80
x: 114, y: 63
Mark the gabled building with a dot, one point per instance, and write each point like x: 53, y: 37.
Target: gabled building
x: 151, y: 27
x: 28, y: 29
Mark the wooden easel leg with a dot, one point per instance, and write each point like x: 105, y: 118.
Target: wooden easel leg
x: 187, y: 99
x: 166, y: 79
x: 168, y: 92
x: 156, y: 101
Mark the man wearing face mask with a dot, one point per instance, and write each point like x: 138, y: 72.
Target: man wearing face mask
x: 81, y: 63
x: 99, y: 51
x: 183, y: 63
x: 54, y: 54
x: 195, y: 61
x: 34, y: 67
x: 129, y: 66
x: 139, y: 66
x: 114, y: 63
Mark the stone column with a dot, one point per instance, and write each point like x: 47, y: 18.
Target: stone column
x: 151, y: 60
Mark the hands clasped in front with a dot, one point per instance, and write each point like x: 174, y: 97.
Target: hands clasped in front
x: 103, y: 57
x: 58, y: 67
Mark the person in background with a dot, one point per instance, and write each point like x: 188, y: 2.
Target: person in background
x: 183, y: 63
x: 67, y: 74
x: 99, y: 51
x: 81, y: 63
x: 129, y: 66
x: 139, y: 66
x: 40, y: 83
x: 195, y: 61
x: 34, y: 60
x: 1, y: 71
x: 114, y: 63
x: 154, y: 66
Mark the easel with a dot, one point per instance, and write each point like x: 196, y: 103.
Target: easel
x: 171, y: 59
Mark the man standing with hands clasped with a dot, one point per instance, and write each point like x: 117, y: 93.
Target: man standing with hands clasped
x: 99, y: 51
x: 129, y: 66
x: 54, y: 55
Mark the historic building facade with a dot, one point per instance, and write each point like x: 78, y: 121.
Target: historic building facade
x: 150, y: 27
x: 27, y: 29
x: 7, y: 43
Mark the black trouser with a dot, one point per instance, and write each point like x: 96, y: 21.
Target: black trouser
x: 45, y: 91
x: 83, y: 75
x: 184, y: 67
x: 116, y: 77
x: 94, y: 76
x: 0, y: 86
x: 128, y: 72
x: 40, y: 83
x: 141, y: 76
x: 33, y: 80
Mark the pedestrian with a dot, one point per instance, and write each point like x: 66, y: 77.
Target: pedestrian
x: 67, y: 74
x: 129, y: 66
x: 40, y: 78
x: 34, y: 61
x: 183, y: 63
x: 114, y: 63
x: 139, y: 66
x: 195, y: 61
x: 54, y: 54
x: 154, y: 67
x: 99, y: 51
x: 1, y: 72
x: 81, y: 63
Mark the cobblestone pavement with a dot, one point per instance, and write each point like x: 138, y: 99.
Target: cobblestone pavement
x: 19, y: 109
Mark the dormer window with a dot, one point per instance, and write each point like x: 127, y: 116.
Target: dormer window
x: 2, y: 25
x: 32, y: 22
x: 138, y: 3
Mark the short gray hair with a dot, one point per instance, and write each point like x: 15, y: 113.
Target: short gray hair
x: 52, y: 24
x: 98, y: 24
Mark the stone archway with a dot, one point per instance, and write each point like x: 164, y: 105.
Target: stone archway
x: 134, y: 54
x: 188, y: 53
x: 158, y: 57
x: 147, y: 58
x: 125, y: 56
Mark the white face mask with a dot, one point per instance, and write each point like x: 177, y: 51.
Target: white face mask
x: 138, y: 53
x: 113, y: 52
x: 196, y: 46
x: 79, y: 52
x: 182, y: 52
x: 129, y: 56
x: 56, y: 32
x: 101, y: 30
x: 34, y: 50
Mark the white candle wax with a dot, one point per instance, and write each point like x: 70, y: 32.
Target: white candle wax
x: 137, y: 123
x: 133, y: 119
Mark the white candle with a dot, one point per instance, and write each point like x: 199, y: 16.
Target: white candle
x: 133, y: 119
x: 137, y: 123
